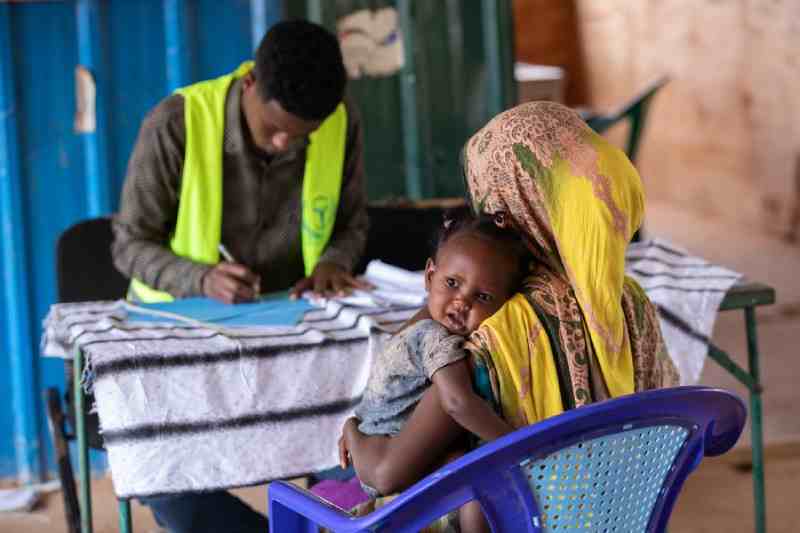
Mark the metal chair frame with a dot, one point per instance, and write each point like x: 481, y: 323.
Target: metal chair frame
x: 635, y: 110
x: 85, y: 272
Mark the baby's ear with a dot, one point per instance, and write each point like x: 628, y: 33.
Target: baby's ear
x: 430, y: 268
x: 248, y: 79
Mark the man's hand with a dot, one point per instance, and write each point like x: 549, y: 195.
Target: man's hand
x: 231, y: 283
x: 329, y: 280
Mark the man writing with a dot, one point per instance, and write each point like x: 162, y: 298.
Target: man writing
x: 266, y: 161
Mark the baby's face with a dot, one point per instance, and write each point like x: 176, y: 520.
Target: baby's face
x: 468, y: 282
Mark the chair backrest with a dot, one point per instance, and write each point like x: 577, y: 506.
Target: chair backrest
x: 635, y: 111
x: 402, y: 235
x: 84, y: 266
x: 612, y: 466
x: 85, y: 273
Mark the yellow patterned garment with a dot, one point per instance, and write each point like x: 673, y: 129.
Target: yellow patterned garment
x: 581, y: 330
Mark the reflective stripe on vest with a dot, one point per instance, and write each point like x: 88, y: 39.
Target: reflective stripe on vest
x: 199, y: 224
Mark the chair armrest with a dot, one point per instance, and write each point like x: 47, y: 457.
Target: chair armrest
x: 722, y: 433
x: 294, y: 509
x: 291, y: 508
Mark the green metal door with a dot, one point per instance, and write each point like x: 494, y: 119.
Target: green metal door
x: 457, y: 73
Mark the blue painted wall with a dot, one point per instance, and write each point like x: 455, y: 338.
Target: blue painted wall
x: 44, y: 166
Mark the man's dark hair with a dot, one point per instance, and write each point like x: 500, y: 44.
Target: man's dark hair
x: 300, y: 65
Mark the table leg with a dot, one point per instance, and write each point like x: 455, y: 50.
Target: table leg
x: 83, y: 444
x: 751, y: 381
x: 125, y: 519
x: 756, y: 421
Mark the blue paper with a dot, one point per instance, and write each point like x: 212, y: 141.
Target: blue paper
x: 270, y: 310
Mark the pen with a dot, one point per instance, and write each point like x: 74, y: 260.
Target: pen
x: 230, y: 259
x: 225, y: 253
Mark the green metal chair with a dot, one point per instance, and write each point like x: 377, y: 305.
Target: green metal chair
x: 634, y: 110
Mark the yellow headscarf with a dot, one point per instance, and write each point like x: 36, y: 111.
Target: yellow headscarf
x: 581, y: 330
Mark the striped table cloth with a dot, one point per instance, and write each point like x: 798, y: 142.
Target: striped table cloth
x: 687, y: 292
x: 191, y: 408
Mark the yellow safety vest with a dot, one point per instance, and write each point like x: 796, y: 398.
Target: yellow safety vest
x: 199, y: 225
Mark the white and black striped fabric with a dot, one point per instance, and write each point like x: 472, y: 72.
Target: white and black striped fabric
x: 687, y: 292
x: 185, y: 408
x: 189, y: 408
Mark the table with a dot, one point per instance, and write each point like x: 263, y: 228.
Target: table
x: 745, y: 296
x: 162, y: 458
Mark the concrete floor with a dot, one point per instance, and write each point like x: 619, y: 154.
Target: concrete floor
x: 718, y: 497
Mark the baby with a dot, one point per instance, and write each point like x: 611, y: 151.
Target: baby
x: 476, y: 267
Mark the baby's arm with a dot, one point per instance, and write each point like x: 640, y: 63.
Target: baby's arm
x: 459, y: 400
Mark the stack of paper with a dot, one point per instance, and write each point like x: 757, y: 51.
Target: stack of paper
x: 393, y: 286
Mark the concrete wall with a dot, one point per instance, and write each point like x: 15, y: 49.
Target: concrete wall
x: 723, y: 137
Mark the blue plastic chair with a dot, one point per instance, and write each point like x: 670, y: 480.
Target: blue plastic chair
x: 616, y: 465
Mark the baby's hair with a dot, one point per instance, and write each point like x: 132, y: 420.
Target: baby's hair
x: 463, y: 221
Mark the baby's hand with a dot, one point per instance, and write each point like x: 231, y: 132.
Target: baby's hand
x: 344, y: 454
x: 344, y: 448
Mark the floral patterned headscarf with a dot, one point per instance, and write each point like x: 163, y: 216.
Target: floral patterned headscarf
x: 581, y: 330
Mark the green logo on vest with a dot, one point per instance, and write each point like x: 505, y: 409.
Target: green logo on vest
x: 320, y: 207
